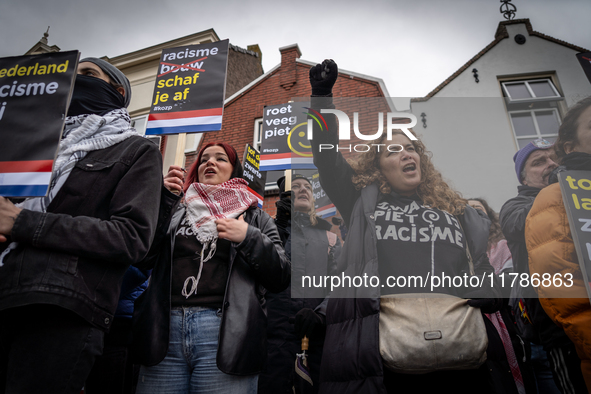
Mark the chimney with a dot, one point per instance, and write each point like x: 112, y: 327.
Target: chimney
x: 289, y: 54
x: 255, y: 48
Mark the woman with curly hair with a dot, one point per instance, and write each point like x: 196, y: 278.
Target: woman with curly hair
x: 404, y: 221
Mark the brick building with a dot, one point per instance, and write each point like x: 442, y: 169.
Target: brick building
x: 243, y: 111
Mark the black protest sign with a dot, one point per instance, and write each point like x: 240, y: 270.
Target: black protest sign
x: 255, y: 178
x: 35, y: 93
x: 585, y: 60
x: 190, y: 88
x: 576, y: 195
x: 284, y: 140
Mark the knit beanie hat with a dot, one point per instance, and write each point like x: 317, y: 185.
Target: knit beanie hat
x: 113, y: 73
x: 521, y: 156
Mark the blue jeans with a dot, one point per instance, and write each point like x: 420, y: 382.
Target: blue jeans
x: 190, y: 364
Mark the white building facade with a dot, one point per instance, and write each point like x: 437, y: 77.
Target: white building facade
x: 515, y: 90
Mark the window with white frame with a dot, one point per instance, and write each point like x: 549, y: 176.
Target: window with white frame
x: 530, y: 90
x: 258, y: 134
x: 140, y: 123
x: 532, y: 106
x: 533, y: 124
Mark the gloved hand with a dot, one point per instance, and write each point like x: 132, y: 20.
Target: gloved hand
x: 309, y: 323
x: 323, y: 77
x: 480, y: 298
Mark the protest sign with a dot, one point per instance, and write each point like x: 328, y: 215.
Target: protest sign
x: 324, y: 207
x: 284, y: 142
x: 576, y: 195
x: 190, y: 88
x: 34, y: 97
x: 255, y: 178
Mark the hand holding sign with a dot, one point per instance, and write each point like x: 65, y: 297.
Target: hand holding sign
x: 8, y: 214
x: 175, y: 179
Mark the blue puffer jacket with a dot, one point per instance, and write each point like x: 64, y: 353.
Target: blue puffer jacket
x: 135, y: 282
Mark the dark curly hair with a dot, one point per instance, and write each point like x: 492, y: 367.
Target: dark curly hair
x: 567, y: 133
x: 433, y: 190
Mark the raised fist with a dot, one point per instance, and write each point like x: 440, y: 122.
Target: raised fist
x: 323, y: 77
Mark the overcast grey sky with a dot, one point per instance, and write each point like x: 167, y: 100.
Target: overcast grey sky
x: 413, y: 45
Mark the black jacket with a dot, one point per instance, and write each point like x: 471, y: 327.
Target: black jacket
x: 351, y: 361
x: 102, y: 220
x: 512, y: 218
x: 308, y: 249
x: 257, y: 264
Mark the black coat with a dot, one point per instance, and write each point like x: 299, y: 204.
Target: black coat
x: 102, y: 220
x: 512, y: 218
x: 351, y: 360
x: 308, y: 249
x: 257, y: 264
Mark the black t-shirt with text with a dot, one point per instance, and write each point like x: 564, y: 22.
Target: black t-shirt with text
x: 415, y: 240
x: 189, y: 287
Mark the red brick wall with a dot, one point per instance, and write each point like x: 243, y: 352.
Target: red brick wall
x: 240, y: 114
x: 269, y: 205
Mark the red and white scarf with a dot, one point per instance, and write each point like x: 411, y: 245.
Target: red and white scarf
x: 207, y: 203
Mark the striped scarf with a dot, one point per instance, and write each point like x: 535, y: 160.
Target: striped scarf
x: 82, y: 134
x: 207, y: 203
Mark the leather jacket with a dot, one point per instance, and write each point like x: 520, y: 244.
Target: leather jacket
x: 257, y: 264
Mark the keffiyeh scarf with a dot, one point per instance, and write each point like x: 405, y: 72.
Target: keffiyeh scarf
x: 207, y: 203
x: 82, y: 134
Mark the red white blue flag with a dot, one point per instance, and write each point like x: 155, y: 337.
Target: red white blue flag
x: 25, y: 178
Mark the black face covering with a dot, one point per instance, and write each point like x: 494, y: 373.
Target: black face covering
x: 94, y: 96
